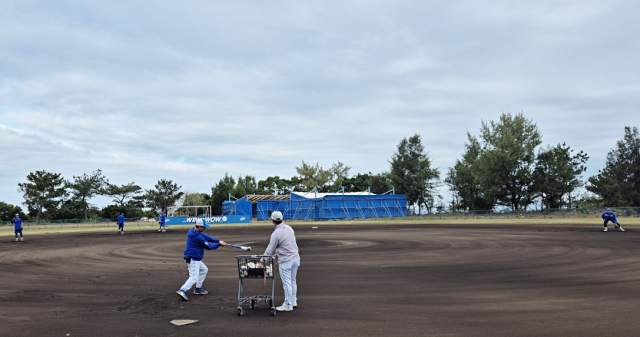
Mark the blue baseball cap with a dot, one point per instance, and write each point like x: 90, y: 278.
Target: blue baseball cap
x: 201, y: 223
x: 17, y: 214
x: 608, y: 209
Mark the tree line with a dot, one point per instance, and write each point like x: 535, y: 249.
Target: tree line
x: 504, y: 166
x: 50, y: 196
x: 501, y: 168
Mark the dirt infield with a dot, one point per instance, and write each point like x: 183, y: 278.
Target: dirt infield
x: 373, y: 280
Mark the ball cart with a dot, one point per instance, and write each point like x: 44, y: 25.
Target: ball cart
x: 256, y: 267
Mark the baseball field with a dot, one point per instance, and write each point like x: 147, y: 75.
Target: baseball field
x: 493, y: 278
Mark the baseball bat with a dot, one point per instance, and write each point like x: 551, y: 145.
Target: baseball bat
x: 241, y: 247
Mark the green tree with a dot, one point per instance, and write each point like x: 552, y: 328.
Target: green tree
x: 339, y: 172
x: 379, y: 183
x: 72, y: 208
x: 312, y: 176
x: 8, y: 211
x: 505, y: 165
x: 412, y: 174
x: 42, y: 191
x: 273, y: 186
x: 165, y: 194
x: 557, y: 174
x: 122, y: 194
x: 85, y: 187
x: 618, y: 184
x: 462, y: 180
x: 588, y: 200
x: 220, y: 193
x: 130, y: 211
x: 357, y: 183
x: 326, y: 180
x: 245, y: 186
x: 194, y: 199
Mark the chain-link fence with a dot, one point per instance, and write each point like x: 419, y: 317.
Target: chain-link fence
x: 551, y: 213
x: 77, y: 223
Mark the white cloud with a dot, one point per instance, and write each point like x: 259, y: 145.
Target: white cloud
x: 190, y: 90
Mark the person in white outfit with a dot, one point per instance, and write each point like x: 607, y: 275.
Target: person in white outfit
x: 283, y: 244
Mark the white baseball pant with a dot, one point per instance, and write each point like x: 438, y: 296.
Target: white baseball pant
x: 197, y: 273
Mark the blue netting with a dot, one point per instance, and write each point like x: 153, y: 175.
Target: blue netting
x: 334, y: 207
x: 238, y: 207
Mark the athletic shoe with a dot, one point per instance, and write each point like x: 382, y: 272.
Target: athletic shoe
x: 21, y: 239
x: 16, y: 239
x: 295, y: 304
x: 164, y: 230
x: 200, y: 291
x: 118, y: 232
x: 283, y: 308
x: 183, y: 294
x: 620, y: 228
x: 122, y: 232
x: 605, y: 229
x: 159, y: 230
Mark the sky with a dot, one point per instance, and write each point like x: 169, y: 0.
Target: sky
x: 191, y: 90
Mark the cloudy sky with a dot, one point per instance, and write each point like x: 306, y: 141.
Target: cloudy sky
x: 189, y: 90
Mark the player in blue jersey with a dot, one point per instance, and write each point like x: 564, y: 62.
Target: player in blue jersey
x: 161, y: 222
x: 17, y: 223
x: 121, y: 223
x: 607, y: 216
x: 197, y: 242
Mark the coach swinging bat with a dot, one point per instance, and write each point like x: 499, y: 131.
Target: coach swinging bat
x: 241, y: 247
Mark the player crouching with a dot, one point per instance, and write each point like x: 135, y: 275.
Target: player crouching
x: 607, y: 216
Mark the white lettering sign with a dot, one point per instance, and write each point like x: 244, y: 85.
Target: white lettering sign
x: 208, y: 219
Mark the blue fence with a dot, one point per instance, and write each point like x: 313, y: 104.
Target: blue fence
x: 238, y: 207
x: 211, y: 220
x: 333, y: 207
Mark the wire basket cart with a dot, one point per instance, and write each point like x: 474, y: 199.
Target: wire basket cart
x: 255, y: 267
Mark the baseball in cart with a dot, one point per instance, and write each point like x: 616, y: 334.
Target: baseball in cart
x: 255, y: 267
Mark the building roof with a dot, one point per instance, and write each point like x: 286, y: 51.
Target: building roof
x: 255, y: 198
x: 311, y: 195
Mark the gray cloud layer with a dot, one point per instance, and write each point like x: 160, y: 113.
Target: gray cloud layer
x: 191, y: 90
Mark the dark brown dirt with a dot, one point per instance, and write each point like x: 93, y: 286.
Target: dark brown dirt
x: 373, y: 280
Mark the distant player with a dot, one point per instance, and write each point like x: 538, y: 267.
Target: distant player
x: 121, y: 223
x: 607, y: 216
x: 161, y: 221
x: 197, y: 242
x: 17, y: 223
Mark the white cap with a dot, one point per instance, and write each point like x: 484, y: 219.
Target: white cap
x: 201, y: 223
x: 276, y: 216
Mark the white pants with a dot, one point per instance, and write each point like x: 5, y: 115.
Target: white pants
x: 288, y: 273
x: 197, y: 273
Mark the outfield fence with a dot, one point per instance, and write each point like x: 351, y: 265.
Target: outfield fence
x: 550, y: 213
x: 77, y: 223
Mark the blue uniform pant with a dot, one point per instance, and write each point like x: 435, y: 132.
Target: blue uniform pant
x: 288, y: 273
